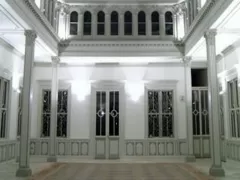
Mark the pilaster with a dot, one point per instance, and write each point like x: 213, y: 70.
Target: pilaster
x: 148, y: 24
x: 121, y: 24
x: 24, y: 169
x: 214, y: 108
x: 162, y: 24
x: 54, y: 99
x: 135, y: 23
x: 188, y: 103
x: 80, y: 23
x: 107, y: 24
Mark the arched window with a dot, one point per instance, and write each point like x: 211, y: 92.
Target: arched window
x: 141, y: 23
x: 155, y: 23
x: 100, y: 23
x: 114, y: 23
x: 128, y: 23
x: 87, y: 27
x: 168, y: 23
x: 74, y: 23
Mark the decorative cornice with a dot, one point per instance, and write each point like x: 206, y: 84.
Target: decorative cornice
x: 42, y: 19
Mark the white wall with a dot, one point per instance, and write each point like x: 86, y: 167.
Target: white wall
x: 134, y: 111
x: 11, y: 68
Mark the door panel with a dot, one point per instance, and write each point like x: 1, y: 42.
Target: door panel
x: 107, y: 124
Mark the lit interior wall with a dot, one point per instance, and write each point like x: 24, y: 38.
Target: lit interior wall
x: 134, y: 90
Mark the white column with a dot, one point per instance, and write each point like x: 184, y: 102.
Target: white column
x: 54, y: 99
x: 46, y: 8
x: 121, y: 24
x: 148, y: 25
x: 135, y: 24
x: 213, y: 103
x: 175, y: 26
x: 188, y: 101
x: 50, y: 11
x: 80, y: 23
x: 107, y: 24
x: 24, y: 169
x: 162, y: 25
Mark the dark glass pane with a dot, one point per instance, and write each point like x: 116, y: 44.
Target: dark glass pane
x: 169, y: 29
x: 167, y: 125
x: 205, y: 114
x: 46, y: 101
x: 87, y: 29
x: 73, y: 29
x: 141, y: 29
x: 114, y: 113
x: 62, y: 101
x: 114, y: 29
x: 141, y: 17
x: 3, y: 124
x: 128, y: 17
x: 114, y: 23
x: 87, y: 17
x: 168, y: 17
x: 128, y: 29
x: 62, y: 125
x: 153, y: 102
x: 114, y: 17
x: 5, y: 91
x: 155, y: 17
x: 100, y: 29
x: 74, y: 17
x: 153, y: 125
x: 100, y: 113
x: 196, y: 112
x: 46, y: 125
x: 101, y: 16
x: 155, y: 29
x: 233, y: 123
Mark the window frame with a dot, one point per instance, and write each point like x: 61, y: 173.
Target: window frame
x: 155, y: 23
x: 112, y: 23
x: 87, y: 23
x: 168, y: 23
x: 142, y: 23
x: 8, y: 101
x: 99, y: 23
x: 168, y: 85
x: 73, y: 23
x: 46, y: 85
x: 128, y: 23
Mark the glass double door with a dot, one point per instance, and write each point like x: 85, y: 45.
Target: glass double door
x: 107, y: 124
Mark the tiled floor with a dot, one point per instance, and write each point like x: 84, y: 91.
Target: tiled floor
x: 115, y: 170
x: 125, y: 171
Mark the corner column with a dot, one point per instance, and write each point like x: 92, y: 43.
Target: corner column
x: 213, y: 104
x: 24, y: 169
x: 188, y: 94
x: 54, y: 99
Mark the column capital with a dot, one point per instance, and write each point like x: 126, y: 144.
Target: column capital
x: 31, y: 36
x: 210, y: 34
x: 187, y: 60
x: 55, y: 60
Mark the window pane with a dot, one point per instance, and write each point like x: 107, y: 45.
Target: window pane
x: 168, y: 17
x: 100, y: 29
x: 101, y: 113
x: 73, y: 29
x: 114, y: 23
x: 114, y: 113
x: 74, y: 17
x: 169, y: 29
x: 46, y: 113
x: 128, y: 23
x: 87, y: 23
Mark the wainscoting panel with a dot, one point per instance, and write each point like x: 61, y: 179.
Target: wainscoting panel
x: 233, y: 149
x: 155, y: 147
x: 201, y: 146
x: 7, y: 150
x: 64, y: 147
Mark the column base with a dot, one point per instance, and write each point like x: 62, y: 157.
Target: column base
x: 24, y: 172
x: 217, y: 171
x: 190, y: 158
x: 52, y: 159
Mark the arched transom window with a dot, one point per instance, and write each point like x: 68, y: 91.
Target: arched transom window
x: 169, y: 23
x: 128, y: 23
x: 101, y: 23
x: 87, y: 27
x: 74, y: 23
x: 141, y: 23
x: 155, y: 23
x: 114, y: 23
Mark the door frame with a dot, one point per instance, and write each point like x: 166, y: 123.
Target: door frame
x: 108, y: 85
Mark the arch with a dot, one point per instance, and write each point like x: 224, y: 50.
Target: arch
x: 100, y: 23
x: 141, y: 23
x: 87, y: 27
x: 73, y: 23
x: 155, y: 23
x: 168, y: 23
x: 114, y: 23
x: 128, y: 23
